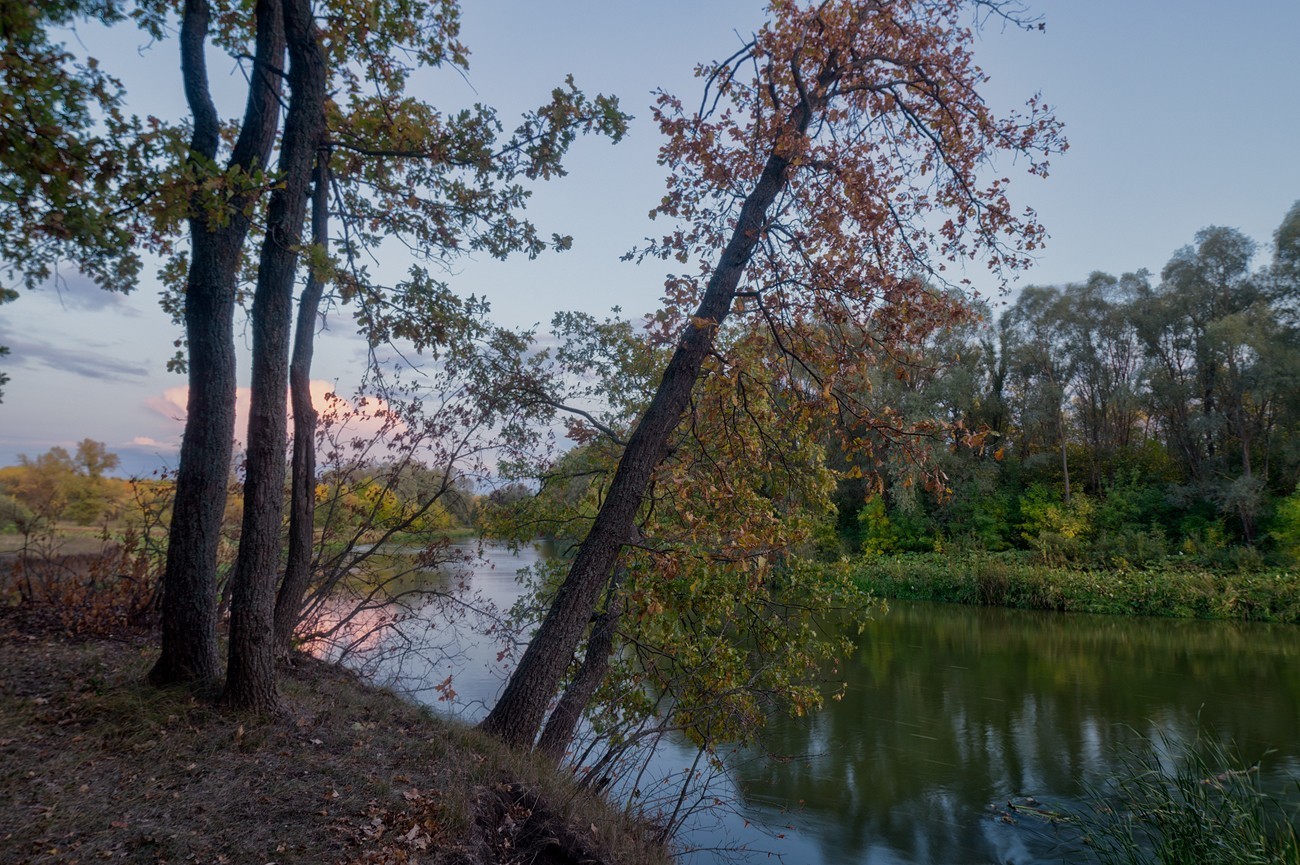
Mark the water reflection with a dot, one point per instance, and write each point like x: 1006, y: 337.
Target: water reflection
x: 948, y: 710
x: 447, y: 645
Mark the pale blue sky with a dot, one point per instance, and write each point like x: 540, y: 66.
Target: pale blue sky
x: 1180, y: 114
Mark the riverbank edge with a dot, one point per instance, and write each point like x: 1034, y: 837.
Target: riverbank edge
x: 96, y: 764
x: 1176, y: 590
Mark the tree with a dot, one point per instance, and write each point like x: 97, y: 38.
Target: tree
x: 1286, y: 249
x: 1108, y: 368
x: 221, y: 208
x: 1201, y: 327
x: 405, y: 161
x: 1043, y: 365
x: 94, y: 459
x: 76, y: 172
x: 250, y: 674
x: 439, y: 184
x: 91, y: 497
x: 708, y: 622
x: 57, y: 485
x: 804, y: 192
x: 45, y: 486
x: 302, y: 501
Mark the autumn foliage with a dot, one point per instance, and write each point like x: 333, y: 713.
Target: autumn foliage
x: 836, y: 167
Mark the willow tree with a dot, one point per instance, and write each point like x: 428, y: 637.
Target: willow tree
x: 837, y: 164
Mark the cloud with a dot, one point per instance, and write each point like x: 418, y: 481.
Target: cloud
x: 89, y: 360
x: 153, y: 444
x: 172, y: 403
x: 79, y: 292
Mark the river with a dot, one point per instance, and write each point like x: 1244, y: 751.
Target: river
x: 951, y: 712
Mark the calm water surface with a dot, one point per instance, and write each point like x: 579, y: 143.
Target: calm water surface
x: 952, y: 711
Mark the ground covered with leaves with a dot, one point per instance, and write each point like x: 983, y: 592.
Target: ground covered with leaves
x: 97, y: 766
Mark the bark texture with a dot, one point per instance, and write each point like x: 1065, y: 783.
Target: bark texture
x: 250, y: 673
x: 302, y: 496
x: 189, y: 614
x: 564, y: 718
x: 518, y: 715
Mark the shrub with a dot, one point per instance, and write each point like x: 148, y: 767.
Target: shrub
x: 1285, y: 530
x: 875, y: 531
x: 1019, y: 580
x: 1130, y: 547
x: 15, y: 516
x: 1055, y: 528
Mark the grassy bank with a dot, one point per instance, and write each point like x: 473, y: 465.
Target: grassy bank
x: 1015, y: 580
x: 95, y: 765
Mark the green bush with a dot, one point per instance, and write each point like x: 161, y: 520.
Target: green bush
x: 1056, y: 528
x: 980, y: 519
x: 1130, y: 546
x: 1285, y: 529
x: 15, y: 516
x: 1128, y: 504
x: 876, y: 534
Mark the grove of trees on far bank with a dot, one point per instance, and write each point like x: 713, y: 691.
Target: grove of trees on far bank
x: 1127, y: 418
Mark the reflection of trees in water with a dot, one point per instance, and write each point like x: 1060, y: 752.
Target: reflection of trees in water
x: 410, y: 621
x: 950, y: 709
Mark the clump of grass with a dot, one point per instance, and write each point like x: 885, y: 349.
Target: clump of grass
x: 1190, y: 804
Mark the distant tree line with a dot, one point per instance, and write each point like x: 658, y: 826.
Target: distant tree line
x: 61, y: 486
x: 1116, y: 418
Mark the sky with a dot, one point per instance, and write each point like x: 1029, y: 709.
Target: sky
x: 1180, y: 114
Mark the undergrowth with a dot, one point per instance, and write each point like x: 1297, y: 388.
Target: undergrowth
x: 1016, y: 581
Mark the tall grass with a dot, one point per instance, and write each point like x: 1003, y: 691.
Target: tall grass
x: 1173, y: 589
x: 1190, y: 804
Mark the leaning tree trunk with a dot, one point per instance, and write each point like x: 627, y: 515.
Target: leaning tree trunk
x: 518, y: 714
x: 302, y: 495
x: 250, y: 674
x: 189, y: 612
x: 600, y: 645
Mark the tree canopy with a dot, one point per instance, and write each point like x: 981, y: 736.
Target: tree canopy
x: 805, y: 189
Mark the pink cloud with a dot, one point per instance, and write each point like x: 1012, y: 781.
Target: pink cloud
x: 171, y: 406
x: 149, y: 442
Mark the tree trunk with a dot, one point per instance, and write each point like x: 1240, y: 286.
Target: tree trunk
x: 1065, y: 453
x: 302, y: 496
x: 564, y: 718
x: 518, y: 715
x: 250, y: 674
x: 189, y: 620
